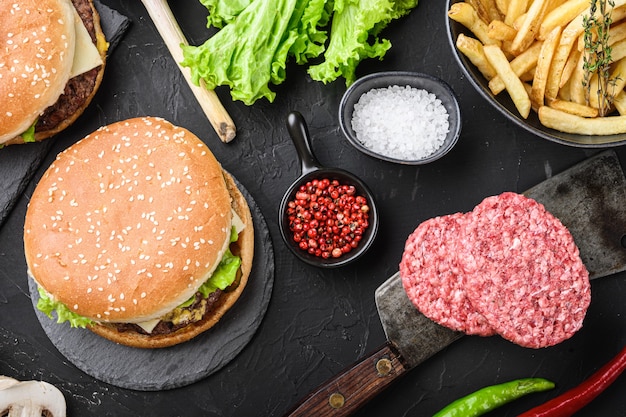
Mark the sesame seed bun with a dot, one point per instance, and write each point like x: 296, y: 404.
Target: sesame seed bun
x: 129, y: 222
x: 37, y: 47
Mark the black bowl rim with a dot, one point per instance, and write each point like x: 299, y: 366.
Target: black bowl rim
x: 370, y: 233
x: 506, y: 107
x: 452, y: 107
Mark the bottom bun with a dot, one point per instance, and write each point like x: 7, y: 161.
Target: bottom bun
x: 244, y: 248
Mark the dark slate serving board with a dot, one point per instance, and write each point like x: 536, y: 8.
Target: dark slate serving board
x: 18, y: 163
x: 180, y: 365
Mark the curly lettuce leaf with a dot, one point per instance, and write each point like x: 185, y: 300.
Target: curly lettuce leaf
x: 246, y: 54
x: 47, y: 305
x: 307, y: 22
x: 252, y: 50
x: 223, y: 276
x: 257, y: 37
x: 222, y: 12
x: 354, y: 36
x: 29, y: 134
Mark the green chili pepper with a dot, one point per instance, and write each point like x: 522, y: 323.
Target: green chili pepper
x: 488, y: 398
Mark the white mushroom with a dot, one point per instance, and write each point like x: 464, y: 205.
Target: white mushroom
x: 30, y: 399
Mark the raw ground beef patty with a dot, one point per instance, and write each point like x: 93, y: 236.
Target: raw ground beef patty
x: 430, y: 276
x: 523, y: 272
x: 507, y: 267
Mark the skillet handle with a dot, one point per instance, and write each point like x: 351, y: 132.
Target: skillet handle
x: 299, y: 132
x: 345, y: 393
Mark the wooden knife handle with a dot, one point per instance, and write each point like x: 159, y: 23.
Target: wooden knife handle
x: 347, y: 392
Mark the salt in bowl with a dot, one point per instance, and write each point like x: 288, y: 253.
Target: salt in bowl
x: 400, y: 117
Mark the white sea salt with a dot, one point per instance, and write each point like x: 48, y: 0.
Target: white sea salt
x: 404, y: 123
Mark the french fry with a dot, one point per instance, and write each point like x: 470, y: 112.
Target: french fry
x: 515, y: 9
x: 574, y: 108
x: 535, y: 50
x: 473, y: 50
x: 492, y: 10
x: 559, y: 59
x: 466, y: 15
x: 513, y: 84
x: 568, y: 38
x: 528, y: 88
x: 569, y: 123
x: 517, y: 23
x: 503, y: 6
x: 564, y: 93
x: 561, y: 16
x: 617, y: 33
x: 520, y: 65
x: 528, y: 30
x: 618, y: 75
x: 618, y: 50
x: 543, y: 66
x: 620, y: 103
x: 577, y: 90
x: 528, y: 76
x: 570, y: 66
x: 497, y: 29
x: 480, y: 10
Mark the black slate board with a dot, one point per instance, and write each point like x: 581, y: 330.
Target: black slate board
x: 180, y: 365
x: 18, y: 163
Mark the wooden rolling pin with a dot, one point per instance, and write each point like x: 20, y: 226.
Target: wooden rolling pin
x: 171, y: 33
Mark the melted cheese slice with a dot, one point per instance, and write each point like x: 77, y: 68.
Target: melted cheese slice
x: 149, y: 325
x: 238, y: 223
x: 86, y: 55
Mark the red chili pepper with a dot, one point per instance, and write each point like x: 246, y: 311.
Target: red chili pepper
x: 576, y: 398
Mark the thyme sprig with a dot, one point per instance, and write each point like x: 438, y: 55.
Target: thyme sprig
x: 597, y: 53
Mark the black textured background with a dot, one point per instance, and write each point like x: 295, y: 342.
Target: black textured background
x: 320, y: 321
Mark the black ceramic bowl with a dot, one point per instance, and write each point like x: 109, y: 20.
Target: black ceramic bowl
x: 401, y: 78
x: 503, y: 103
x: 311, y: 169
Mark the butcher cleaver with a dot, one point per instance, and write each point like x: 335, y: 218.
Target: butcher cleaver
x: 588, y: 198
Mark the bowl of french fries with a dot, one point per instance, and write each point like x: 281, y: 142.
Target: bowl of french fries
x: 556, y: 68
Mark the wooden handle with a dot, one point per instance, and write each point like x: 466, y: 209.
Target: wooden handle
x: 348, y: 391
x: 171, y: 33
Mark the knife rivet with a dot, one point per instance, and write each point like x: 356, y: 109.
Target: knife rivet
x: 383, y: 366
x: 336, y: 400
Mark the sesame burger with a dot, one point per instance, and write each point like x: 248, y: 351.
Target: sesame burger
x: 52, y: 58
x: 138, y: 234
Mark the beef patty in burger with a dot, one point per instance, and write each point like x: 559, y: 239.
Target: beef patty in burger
x: 52, y: 59
x: 137, y: 233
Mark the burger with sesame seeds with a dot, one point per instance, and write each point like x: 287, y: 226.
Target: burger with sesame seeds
x: 52, y: 59
x: 138, y: 234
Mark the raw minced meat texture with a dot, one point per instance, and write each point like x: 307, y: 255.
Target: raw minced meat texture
x: 523, y: 272
x: 431, y: 276
x: 507, y: 267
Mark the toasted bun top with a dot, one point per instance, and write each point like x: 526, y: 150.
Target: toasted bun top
x: 127, y: 223
x: 37, y: 43
x: 244, y: 248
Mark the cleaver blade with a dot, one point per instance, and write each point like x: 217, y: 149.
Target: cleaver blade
x: 587, y: 198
